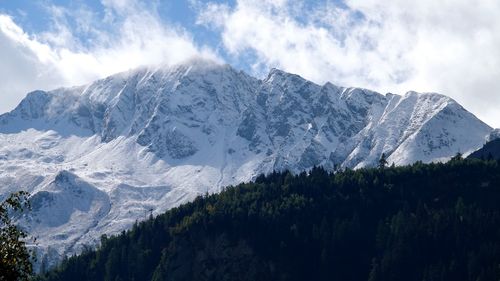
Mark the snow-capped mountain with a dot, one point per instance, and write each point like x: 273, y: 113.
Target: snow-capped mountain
x: 98, y: 157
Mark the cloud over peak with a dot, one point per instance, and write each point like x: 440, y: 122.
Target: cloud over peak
x: 449, y: 47
x: 83, y: 45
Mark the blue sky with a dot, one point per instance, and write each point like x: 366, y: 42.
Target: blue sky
x: 448, y: 47
x: 35, y: 17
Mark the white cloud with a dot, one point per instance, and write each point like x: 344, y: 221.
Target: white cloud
x: 129, y: 35
x: 26, y: 64
x: 446, y: 46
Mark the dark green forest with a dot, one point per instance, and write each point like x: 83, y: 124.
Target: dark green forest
x: 419, y: 222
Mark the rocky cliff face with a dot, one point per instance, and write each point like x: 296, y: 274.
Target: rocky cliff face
x: 150, y: 139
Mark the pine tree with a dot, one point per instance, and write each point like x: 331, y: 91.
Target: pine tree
x: 382, y: 163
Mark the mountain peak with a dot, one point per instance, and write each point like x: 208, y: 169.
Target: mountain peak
x: 278, y: 74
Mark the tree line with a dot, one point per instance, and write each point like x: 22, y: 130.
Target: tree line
x: 419, y: 222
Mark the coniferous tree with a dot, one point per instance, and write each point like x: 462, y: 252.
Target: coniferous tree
x: 382, y: 162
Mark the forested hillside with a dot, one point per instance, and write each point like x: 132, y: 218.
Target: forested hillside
x: 418, y: 222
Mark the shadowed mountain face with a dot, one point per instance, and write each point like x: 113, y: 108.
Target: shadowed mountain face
x: 154, y: 138
x: 490, y: 151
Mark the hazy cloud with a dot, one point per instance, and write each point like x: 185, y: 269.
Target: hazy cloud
x: 447, y: 46
x: 83, y: 45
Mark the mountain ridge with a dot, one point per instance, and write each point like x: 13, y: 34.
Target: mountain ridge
x: 153, y: 138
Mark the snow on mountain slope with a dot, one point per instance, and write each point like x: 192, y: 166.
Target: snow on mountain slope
x: 96, y: 158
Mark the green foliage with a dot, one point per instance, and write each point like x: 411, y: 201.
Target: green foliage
x: 419, y: 222
x: 15, y: 259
